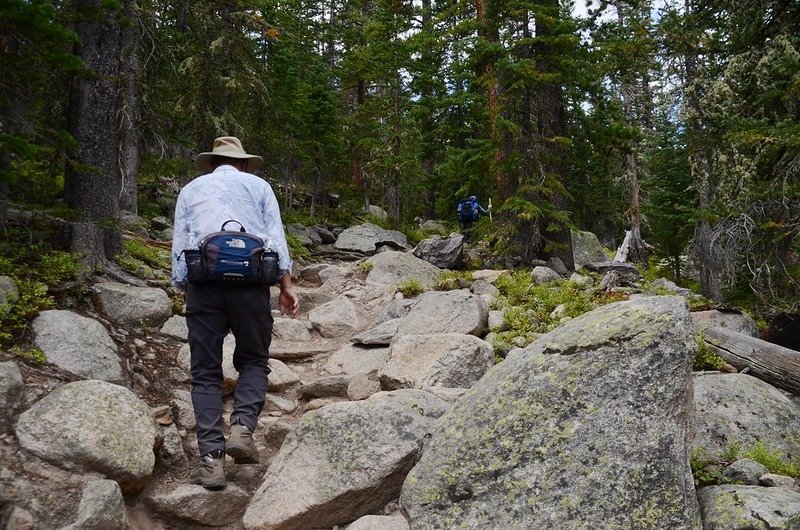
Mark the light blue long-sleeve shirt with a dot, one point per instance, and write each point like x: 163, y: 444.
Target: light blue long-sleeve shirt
x: 226, y: 193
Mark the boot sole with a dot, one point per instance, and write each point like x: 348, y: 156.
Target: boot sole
x: 214, y: 484
x: 240, y: 454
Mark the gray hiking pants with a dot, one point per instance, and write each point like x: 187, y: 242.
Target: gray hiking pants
x: 211, y: 311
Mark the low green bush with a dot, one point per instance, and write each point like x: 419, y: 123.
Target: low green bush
x: 705, y: 359
x: 410, y: 288
x: 152, y: 256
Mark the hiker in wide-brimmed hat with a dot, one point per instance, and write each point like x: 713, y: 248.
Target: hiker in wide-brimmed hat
x: 227, y: 147
x: 235, y: 302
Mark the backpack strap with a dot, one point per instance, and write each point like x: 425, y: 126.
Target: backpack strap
x: 241, y: 229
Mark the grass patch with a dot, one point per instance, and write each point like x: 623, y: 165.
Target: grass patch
x: 451, y: 280
x: 152, y: 256
x: 32, y: 355
x: 705, y: 359
x: 296, y: 248
x: 410, y: 288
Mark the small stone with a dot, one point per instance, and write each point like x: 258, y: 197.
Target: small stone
x: 745, y: 471
x: 772, y: 480
x: 362, y: 387
x: 178, y: 375
x: 163, y: 415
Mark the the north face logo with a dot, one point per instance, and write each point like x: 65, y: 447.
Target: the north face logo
x: 235, y: 243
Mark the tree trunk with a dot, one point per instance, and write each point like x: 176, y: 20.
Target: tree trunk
x: 130, y: 156
x: 769, y: 362
x: 550, y: 122
x: 92, y: 182
x: 488, y: 31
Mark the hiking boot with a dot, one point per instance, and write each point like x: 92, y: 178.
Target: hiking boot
x: 241, y: 446
x: 211, y: 473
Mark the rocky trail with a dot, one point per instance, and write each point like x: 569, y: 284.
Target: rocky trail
x: 390, y: 412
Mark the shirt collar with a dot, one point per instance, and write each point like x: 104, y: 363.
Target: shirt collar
x: 225, y: 167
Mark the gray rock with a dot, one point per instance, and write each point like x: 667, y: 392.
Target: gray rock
x: 324, y: 387
x: 358, y: 450
x: 583, y: 282
x: 379, y: 522
x: 377, y: 211
x: 445, y: 312
x: 281, y: 376
x: 175, y: 326
x: 325, y: 235
x: 335, y: 319
x: 9, y: 292
x: 102, y: 507
x: 362, y: 387
x: 495, y: 321
x: 731, y: 506
x: 93, y: 426
x: 489, y: 275
x: 541, y: 275
x: 276, y: 433
x: 451, y: 360
x: 77, y: 344
x: 379, y: 335
x: 276, y: 403
x: 557, y: 265
x: 745, y: 471
x: 396, y: 268
x: 182, y: 400
x: 351, y: 359
x: 18, y: 518
x: 398, y: 308
x: 742, y: 410
x: 608, y: 392
x: 309, y: 236
x: 672, y: 287
x: 132, y: 305
x: 367, y: 237
x: 160, y: 223
x: 772, y: 480
x: 586, y: 248
x: 172, y: 448
x: 12, y: 392
x: 201, y: 506
x: 739, y: 322
x: 290, y: 329
x: 482, y: 287
x: 443, y: 251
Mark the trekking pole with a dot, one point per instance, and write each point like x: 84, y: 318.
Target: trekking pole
x: 490, y: 211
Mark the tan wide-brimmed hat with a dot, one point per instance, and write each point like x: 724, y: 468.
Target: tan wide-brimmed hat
x: 231, y: 147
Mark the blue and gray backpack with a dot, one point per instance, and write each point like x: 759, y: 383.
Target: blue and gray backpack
x: 467, y: 210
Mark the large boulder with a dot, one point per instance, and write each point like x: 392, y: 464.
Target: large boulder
x: 741, y: 410
x: 77, y: 344
x: 451, y: 360
x: 352, y: 359
x: 102, y: 507
x: 734, y: 506
x: 93, y: 426
x: 443, y: 251
x: 9, y: 292
x: 738, y: 322
x: 586, y: 248
x: 133, y: 305
x: 343, y: 461
x: 588, y: 427
x: 366, y: 238
x: 198, y: 505
x: 395, y: 268
x: 336, y: 318
x: 445, y: 312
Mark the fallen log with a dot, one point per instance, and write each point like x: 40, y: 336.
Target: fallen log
x: 774, y: 364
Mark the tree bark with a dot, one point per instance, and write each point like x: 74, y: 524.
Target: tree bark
x: 130, y: 156
x: 550, y: 123
x: 488, y: 31
x: 774, y: 364
x: 92, y: 182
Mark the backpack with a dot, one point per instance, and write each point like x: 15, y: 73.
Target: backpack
x: 232, y: 257
x: 467, y: 211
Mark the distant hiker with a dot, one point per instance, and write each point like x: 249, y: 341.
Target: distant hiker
x: 469, y: 210
x: 228, y: 192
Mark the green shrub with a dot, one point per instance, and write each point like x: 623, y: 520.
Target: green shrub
x: 450, y: 280
x: 153, y: 256
x: 58, y: 266
x: 365, y: 266
x: 296, y: 248
x: 33, y: 355
x: 705, y: 359
x: 33, y: 298
x: 410, y: 288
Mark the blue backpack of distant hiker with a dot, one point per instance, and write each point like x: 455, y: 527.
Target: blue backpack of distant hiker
x: 233, y: 257
x: 467, y: 210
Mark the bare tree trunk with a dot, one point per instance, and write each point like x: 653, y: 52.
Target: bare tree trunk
x: 92, y: 181
x: 130, y: 156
